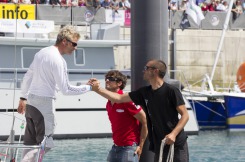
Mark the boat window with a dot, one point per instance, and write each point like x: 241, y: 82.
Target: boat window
x: 79, y: 57
x: 27, y: 55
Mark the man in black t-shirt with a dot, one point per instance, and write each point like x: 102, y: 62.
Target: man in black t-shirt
x: 162, y: 103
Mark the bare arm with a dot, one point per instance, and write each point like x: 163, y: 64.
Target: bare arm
x: 114, y: 97
x: 143, y: 133
x: 170, y: 138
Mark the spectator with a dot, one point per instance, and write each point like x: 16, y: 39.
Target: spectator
x: 62, y: 2
x: 72, y: 3
x: 89, y: 3
x: 236, y: 9
x: 183, y: 5
x: 239, y: 7
x: 52, y: 2
x: 225, y: 5
x: 97, y: 4
x: 81, y: 3
x: 105, y: 4
x: 24, y: 1
x: 173, y: 6
x: 12, y: 1
x: 4, y: 1
x: 114, y: 5
x: 125, y: 5
x: 220, y: 6
x: 212, y: 6
x: 205, y: 6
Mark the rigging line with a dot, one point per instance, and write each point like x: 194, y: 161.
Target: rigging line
x: 15, y: 72
x: 210, y: 109
x: 11, y: 115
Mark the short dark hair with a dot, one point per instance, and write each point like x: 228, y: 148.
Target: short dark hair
x: 161, y: 66
x: 117, y: 74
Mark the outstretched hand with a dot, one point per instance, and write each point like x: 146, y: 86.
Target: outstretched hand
x: 95, y: 84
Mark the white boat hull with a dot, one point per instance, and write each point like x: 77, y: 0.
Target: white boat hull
x: 81, y: 116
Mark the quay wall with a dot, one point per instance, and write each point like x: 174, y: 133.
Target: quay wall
x: 196, y: 52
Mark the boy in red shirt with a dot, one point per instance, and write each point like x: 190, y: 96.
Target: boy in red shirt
x: 125, y: 120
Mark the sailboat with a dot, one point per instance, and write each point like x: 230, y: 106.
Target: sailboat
x: 219, y: 109
x: 235, y: 102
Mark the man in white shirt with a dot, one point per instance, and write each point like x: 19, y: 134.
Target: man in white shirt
x: 46, y: 74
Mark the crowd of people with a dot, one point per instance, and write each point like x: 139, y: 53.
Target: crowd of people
x: 113, y: 4
x: 208, y: 5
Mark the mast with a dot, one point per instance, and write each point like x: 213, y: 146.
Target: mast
x: 222, y: 39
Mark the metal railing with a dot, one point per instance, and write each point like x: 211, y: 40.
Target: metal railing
x: 11, y: 153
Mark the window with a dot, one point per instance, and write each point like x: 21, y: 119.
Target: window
x: 27, y: 55
x: 79, y: 57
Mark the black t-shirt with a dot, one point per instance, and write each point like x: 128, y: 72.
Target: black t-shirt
x: 160, y: 108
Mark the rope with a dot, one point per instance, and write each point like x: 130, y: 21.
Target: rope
x: 170, y: 152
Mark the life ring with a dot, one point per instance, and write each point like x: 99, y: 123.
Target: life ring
x: 240, y: 77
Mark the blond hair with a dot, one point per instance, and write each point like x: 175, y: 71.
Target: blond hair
x: 67, y: 32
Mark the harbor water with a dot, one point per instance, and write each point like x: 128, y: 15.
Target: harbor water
x: 208, y: 146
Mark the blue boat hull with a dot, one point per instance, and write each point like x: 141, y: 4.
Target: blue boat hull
x: 235, y: 109
x: 210, y: 114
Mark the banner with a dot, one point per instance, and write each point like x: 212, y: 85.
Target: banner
x: 115, y: 17
x: 127, y: 18
x: 26, y: 26
x: 17, y: 11
x: 82, y: 15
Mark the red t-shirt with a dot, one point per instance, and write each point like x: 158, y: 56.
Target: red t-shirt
x: 125, y: 127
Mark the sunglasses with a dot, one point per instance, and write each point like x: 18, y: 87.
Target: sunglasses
x: 111, y: 79
x: 148, y: 67
x: 73, y: 43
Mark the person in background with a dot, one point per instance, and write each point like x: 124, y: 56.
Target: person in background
x: 46, y: 75
x: 89, y: 3
x: 114, y: 6
x: 204, y: 6
x: 125, y: 120
x: 173, y: 6
x: 81, y: 3
x: 97, y: 4
x: 162, y: 104
x: 236, y: 9
x: 226, y: 5
x: 105, y: 4
x: 212, y: 5
x: 220, y: 6
x: 4, y: 1
x: 124, y: 4
x: 183, y: 5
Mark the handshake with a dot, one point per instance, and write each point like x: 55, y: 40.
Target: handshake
x: 94, y: 83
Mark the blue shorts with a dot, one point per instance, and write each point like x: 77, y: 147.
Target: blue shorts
x: 122, y: 154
